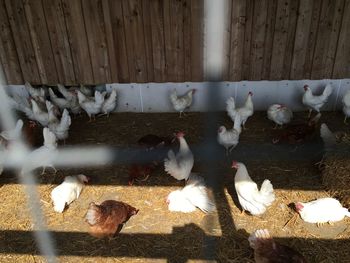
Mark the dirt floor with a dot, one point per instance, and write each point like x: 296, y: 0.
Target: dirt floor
x: 158, y: 235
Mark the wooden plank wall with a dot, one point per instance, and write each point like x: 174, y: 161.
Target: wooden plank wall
x: 106, y: 41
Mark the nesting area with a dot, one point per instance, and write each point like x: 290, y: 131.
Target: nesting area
x: 158, y: 235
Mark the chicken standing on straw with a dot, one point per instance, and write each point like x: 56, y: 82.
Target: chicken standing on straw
x: 251, y: 199
x: 245, y: 112
x: 180, y: 103
x: 316, y: 102
x: 194, y: 194
x: 180, y: 165
x: 266, y: 250
x: 230, y: 138
x: 68, y: 191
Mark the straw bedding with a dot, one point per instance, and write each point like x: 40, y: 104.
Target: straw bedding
x: 156, y: 234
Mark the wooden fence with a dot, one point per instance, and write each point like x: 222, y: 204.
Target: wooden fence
x: 106, y: 41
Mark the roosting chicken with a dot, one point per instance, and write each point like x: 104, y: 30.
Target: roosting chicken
x: 110, y: 103
x: 180, y: 165
x: 193, y: 195
x: 297, y: 132
x: 92, y: 106
x: 245, y: 112
x: 107, y: 219
x: 140, y: 172
x: 151, y: 141
x: 65, y: 193
x: 266, y: 250
x: 230, y: 138
x: 279, y: 114
x: 346, y: 105
x: 314, y: 102
x: 323, y: 210
x: 251, y: 199
x: 180, y: 103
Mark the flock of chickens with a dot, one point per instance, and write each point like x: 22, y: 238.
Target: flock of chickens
x: 107, y: 218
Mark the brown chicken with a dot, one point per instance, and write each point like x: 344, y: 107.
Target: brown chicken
x: 107, y: 219
x: 151, y: 141
x: 140, y: 172
x: 297, y: 132
x: 266, y: 250
x: 32, y: 133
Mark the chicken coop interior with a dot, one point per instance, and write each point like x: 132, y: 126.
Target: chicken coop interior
x: 175, y: 131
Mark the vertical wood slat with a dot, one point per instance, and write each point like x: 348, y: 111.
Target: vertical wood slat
x: 119, y: 41
x: 247, y: 40
x: 78, y: 41
x: 268, y: 45
x: 237, y: 38
x: 227, y: 40
x: 301, y: 39
x: 135, y: 41
x: 327, y: 36
x: 97, y: 41
x: 110, y: 42
x: 342, y: 60
x: 279, y: 39
x: 8, y: 54
x: 157, y: 28
x: 310, y: 49
x: 59, y: 41
x: 22, y: 40
x: 173, y: 34
x: 258, y: 39
x: 41, y: 41
x: 197, y: 30
x: 187, y: 39
x: 147, y: 29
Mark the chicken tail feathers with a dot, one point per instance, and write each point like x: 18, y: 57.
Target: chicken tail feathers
x: 327, y: 136
x: 266, y: 193
x: 327, y: 90
x: 231, y: 108
x: 49, y: 137
x: 173, y: 96
x: 170, y: 162
x: 52, y: 94
x: 65, y: 120
x: 99, y: 98
x: 259, y: 237
x: 238, y: 123
x: 92, y: 215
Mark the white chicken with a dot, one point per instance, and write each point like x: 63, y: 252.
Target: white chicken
x: 92, y: 106
x: 245, y: 112
x: 323, y: 210
x: 15, y: 133
x: 22, y: 104
x: 59, y: 127
x: 86, y: 91
x: 37, y: 94
x: 279, y: 114
x: 230, y: 138
x: 193, y: 195
x: 71, y: 96
x: 68, y: 191
x: 44, y: 156
x: 110, y: 103
x: 346, y: 105
x: 314, y: 102
x: 180, y: 165
x: 61, y: 103
x: 250, y: 198
x: 327, y: 136
x: 40, y: 115
x: 181, y: 103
